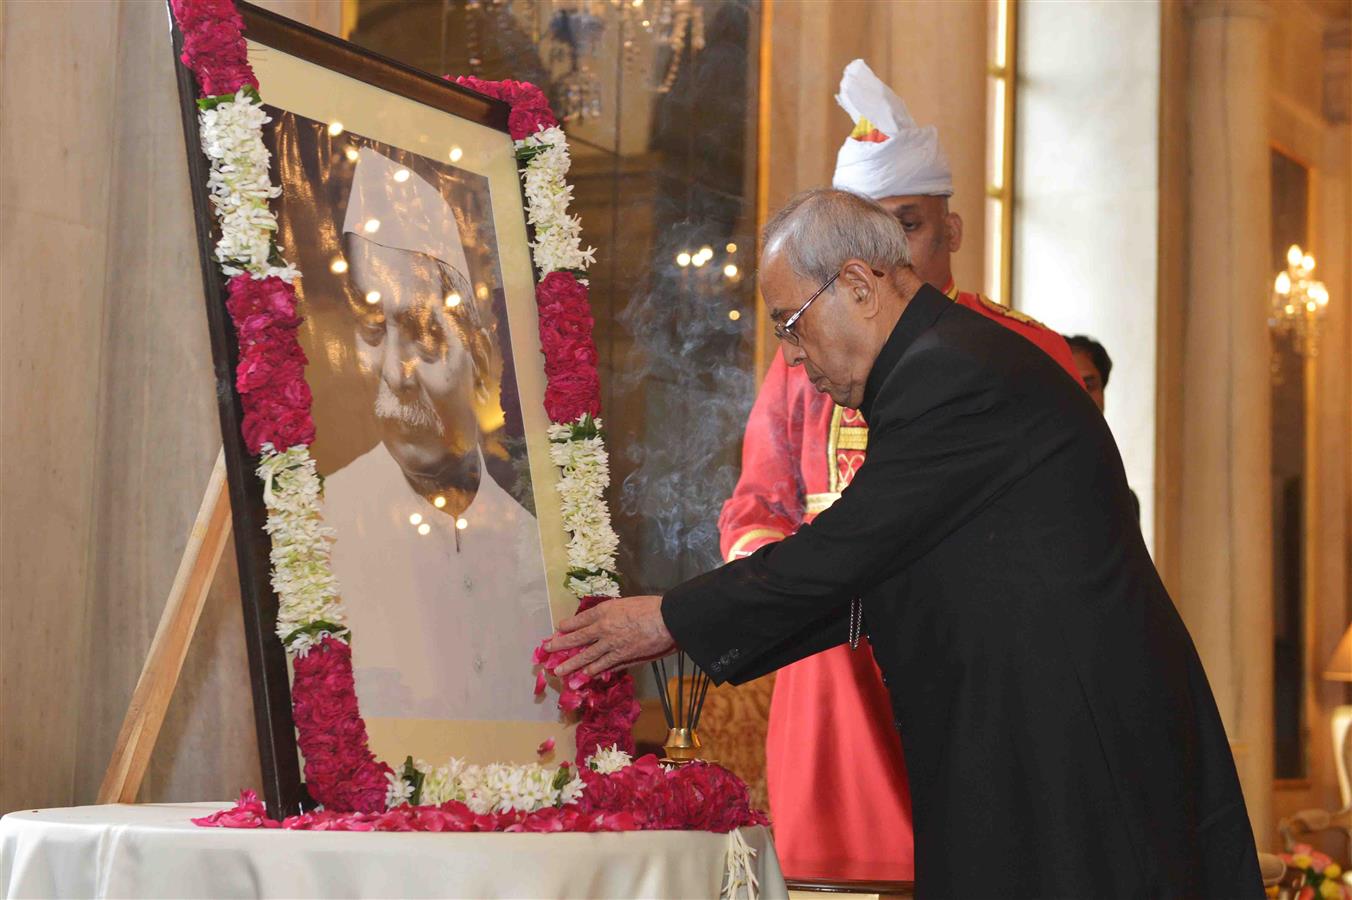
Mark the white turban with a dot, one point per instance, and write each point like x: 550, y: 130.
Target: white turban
x: 909, y: 161
x: 407, y: 213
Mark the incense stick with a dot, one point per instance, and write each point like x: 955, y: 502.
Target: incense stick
x: 680, y: 687
x: 661, y: 675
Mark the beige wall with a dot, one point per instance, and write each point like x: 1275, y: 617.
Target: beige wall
x: 932, y: 53
x: 53, y: 212
x: 107, y: 411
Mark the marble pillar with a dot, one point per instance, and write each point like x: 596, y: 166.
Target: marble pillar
x: 1225, y: 565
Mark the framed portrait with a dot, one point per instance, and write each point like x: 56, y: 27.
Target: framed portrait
x: 402, y: 207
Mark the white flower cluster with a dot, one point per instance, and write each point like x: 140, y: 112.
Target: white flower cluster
x: 585, y: 473
x: 493, y: 788
x: 609, y: 760
x: 397, y: 790
x: 558, y: 235
x: 232, y: 138
x: 302, y: 576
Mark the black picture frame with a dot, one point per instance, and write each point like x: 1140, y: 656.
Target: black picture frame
x: 283, y: 790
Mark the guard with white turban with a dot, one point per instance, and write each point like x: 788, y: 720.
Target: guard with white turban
x: 834, y: 765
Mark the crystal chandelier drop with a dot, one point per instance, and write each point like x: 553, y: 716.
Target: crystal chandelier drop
x: 661, y: 24
x: 652, y: 34
x: 1298, y: 302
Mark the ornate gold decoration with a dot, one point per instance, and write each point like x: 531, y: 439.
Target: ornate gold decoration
x: 819, y: 503
x: 754, y: 534
x: 1000, y: 309
x: 853, y: 438
x: 832, y: 444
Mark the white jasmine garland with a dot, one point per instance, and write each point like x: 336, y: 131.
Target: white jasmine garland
x: 240, y: 185
x: 302, y: 575
x: 609, y: 760
x: 496, y: 787
x: 594, y: 586
x: 558, y: 235
x: 584, y: 468
x: 442, y: 783
x: 397, y: 791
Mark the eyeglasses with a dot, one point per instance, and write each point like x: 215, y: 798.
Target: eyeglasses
x: 784, y: 330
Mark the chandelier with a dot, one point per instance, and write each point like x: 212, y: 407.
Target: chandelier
x: 1298, y: 302
x: 651, y: 36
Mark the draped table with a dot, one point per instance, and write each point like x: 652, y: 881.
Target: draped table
x: 153, y: 850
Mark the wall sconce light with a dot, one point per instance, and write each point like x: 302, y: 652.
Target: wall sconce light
x: 1298, y: 302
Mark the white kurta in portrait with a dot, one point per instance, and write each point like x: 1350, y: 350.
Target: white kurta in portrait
x: 439, y: 630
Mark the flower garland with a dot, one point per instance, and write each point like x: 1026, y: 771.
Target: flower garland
x: 612, y: 792
x: 607, y: 790
x: 606, y: 706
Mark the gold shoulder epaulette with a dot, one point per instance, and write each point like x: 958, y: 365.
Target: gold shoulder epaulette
x: 1011, y: 313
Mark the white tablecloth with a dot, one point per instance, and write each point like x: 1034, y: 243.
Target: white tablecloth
x: 152, y: 850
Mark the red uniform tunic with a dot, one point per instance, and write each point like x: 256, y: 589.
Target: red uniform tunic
x: 837, y: 781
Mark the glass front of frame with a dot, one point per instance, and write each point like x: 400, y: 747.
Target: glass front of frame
x: 418, y: 297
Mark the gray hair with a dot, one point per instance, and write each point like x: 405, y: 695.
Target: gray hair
x: 818, y: 230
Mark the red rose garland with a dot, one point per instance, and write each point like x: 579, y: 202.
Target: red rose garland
x: 606, y: 705
x: 573, y: 387
x: 270, y: 376
x: 213, y: 45
x: 341, y: 773
x: 530, y: 107
x: 643, y: 796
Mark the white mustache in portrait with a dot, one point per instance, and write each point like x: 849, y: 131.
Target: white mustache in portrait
x: 418, y: 414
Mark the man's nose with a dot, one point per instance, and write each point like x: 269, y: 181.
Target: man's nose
x: 793, y: 354
x: 398, y: 365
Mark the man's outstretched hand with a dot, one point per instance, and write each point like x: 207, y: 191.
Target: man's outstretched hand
x: 616, y: 633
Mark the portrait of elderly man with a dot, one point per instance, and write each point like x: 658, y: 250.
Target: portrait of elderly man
x: 440, y: 567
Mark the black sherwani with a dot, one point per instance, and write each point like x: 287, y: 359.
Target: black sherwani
x: 1060, y: 735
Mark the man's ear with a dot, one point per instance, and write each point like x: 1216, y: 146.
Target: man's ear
x: 953, y: 232
x: 857, y: 277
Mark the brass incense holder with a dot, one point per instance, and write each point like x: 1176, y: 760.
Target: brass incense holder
x: 682, y: 746
x: 682, y: 696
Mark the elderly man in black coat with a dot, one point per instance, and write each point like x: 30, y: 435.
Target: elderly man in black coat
x: 1060, y: 735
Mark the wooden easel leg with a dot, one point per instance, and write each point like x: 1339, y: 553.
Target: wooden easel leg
x: 150, y: 701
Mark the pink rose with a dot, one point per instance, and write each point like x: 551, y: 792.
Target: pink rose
x: 566, y: 324
x: 265, y: 366
x: 523, y: 121
x: 270, y: 297
x: 248, y: 812
x: 530, y: 108
x: 213, y: 45
x: 282, y: 426
x: 569, y: 395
